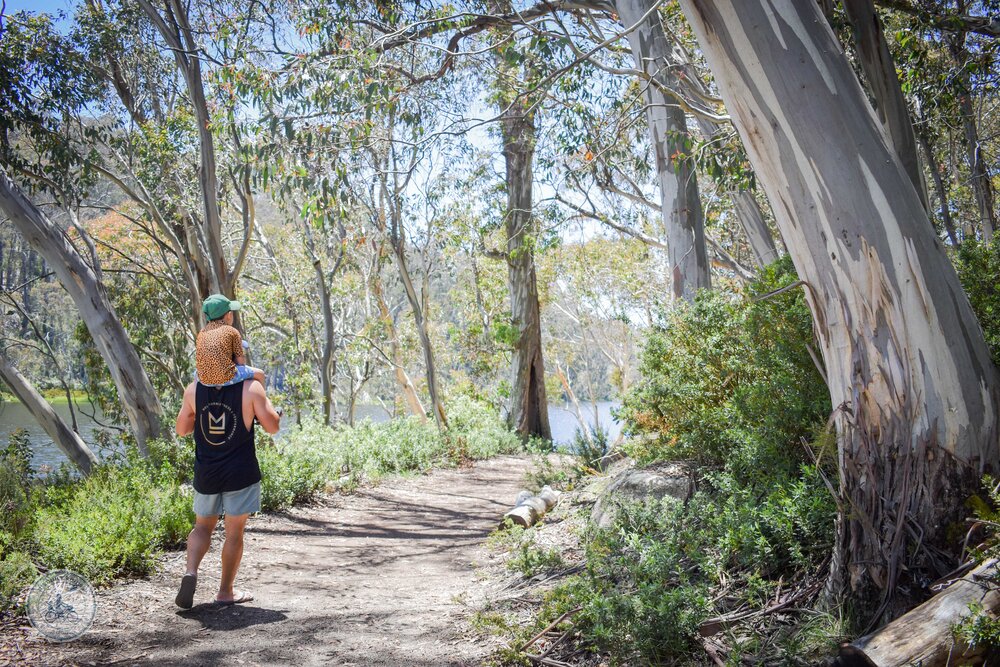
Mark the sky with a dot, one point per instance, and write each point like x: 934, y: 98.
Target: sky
x: 50, y: 6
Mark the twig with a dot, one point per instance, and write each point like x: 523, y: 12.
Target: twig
x: 548, y: 628
x: 706, y: 643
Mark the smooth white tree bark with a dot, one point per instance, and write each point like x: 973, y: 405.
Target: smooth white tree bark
x: 142, y: 406
x: 910, y: 376
x: 683, y: 219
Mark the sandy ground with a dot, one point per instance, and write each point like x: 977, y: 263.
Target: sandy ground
x: 384, y: 576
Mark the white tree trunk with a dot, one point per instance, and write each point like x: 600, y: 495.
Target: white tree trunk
x: 683, y: 220
x: 75, y: 449
x: 909, y: 372
x: 135, y: 391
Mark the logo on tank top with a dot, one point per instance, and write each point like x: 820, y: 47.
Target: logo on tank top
x: 218, y: 423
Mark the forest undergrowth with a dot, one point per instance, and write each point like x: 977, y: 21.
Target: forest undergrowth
x: 728, y: 386
x: 117, y: 521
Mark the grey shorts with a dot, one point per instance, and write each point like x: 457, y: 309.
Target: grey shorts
x: 244, y: 501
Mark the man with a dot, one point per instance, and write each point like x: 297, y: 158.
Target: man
x: 226, y: 474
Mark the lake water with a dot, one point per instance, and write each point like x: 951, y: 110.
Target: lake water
x: 14, y: 415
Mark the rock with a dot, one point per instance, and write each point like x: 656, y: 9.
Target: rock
x: 656, y: 482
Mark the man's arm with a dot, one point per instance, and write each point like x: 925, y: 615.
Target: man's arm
x: 268, y: 417
x: 185, y: 418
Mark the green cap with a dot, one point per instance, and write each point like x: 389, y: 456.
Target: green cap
x: 218, y: 305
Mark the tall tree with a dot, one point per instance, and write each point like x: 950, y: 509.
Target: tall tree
x: 517, y: 80
x: 890, y: 105
x: 981, y: 179
x: 683, y: 218
x: 142, y: 406
x: 908, y: 369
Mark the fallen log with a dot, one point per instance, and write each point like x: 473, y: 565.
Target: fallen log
x: 924, y: 635
x: 529, y: 509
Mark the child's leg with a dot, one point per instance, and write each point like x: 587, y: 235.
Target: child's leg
x: 244, y: 373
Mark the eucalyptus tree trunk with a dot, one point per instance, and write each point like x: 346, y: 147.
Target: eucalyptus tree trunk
x: 683, y: 219
x: 327, y: 366
x: 890, y: 105
x: 939, y: 187
x: 420, y: 319
x: 981, y: 179
x: 396, y: 359
x: 915, y: 391
x: 529, y: 408
x: 70, y: 442
x: 745, y: 205
x: 142, y: 406
x: 754, y: 227
x: 174, y: 27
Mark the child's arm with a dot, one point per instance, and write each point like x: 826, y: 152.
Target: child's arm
x: 258, y: 375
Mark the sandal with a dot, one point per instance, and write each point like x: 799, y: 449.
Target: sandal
x: 185, y: 595
x: 239, y: 598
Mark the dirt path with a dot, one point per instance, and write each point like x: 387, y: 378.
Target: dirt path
x: 374, y: 578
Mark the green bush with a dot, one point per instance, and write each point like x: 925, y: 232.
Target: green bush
x: 730, y: 380
x: 114, y: 522
x: 978, y: 267
x: 648, y: 579
x: 16, y: 501
x: 727, y: 382
x: 307, y: 457
x: 291, y: 472
x: 17, y: 572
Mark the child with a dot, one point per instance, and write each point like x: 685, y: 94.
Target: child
x: 219, y: 348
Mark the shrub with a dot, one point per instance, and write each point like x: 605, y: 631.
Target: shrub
x: 307, y: 457
x: 729, y: 380
x: 16, y: 503
x: 978, y: 266
x: 17, y: 572
x: 291, y: 472
x: 113, y: 522
x: 648, y: 579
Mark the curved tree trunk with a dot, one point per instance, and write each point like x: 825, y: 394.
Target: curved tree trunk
x: 683, y: 220
x: 135, y: 391
x: 75, y: 449
x: 890, y: 105
x: 420, y: 319
x: 402, y: 377
x: 908, y: 369
x: 529, y: 408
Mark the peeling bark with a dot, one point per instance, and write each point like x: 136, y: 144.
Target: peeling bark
x: 908, y: 369
x: 135, y: 391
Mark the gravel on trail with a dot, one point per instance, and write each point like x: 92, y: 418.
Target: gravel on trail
x: 383, y: 576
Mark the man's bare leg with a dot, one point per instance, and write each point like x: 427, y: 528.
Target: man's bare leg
x: 199, y: 539
x: 232, y: 554
x: 198, y: 542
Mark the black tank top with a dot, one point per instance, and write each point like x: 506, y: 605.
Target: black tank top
x: 225, y: 458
